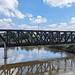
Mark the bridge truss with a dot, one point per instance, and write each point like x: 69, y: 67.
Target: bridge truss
x: 35, y: 37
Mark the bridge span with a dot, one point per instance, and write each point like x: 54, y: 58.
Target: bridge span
x: 35, y: 37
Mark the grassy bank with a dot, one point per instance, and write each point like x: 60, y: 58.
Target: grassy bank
x: 68, y: 48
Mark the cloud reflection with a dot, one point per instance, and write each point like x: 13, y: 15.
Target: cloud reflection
x: 30, y: 53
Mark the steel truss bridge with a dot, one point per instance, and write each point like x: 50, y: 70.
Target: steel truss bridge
x: 35, y: 37
x: 50, y: 67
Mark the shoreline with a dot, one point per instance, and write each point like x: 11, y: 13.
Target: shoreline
x: 66, y: 48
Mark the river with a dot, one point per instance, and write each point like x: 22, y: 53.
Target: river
x: 36, y: 60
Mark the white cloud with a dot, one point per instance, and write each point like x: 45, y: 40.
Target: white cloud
x: 63, y: 24
x: 13, y: 24
x: 19, y: 58
x: 10, y: 8
x: 6, y: 23
x: 59, y: 3
x: 7, y: 20
x: 38, y: 20
x: 19, y: 15
x: 72, y: 20
x: 27, y: 27
x: 52, y: 25
x: 29, y: 15
x: 61, y: 27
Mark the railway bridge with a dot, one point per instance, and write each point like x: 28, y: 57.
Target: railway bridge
x: 35, y: 37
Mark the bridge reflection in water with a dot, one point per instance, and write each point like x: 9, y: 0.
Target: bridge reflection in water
x: 43, y: 67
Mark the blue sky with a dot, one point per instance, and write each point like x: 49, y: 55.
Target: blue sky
x: 27, y: 14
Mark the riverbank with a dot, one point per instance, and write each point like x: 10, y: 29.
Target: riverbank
x: 67, y: 48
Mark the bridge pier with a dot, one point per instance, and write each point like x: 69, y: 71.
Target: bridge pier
x: 5, y: 51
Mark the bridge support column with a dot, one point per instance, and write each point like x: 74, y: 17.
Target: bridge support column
x: 5, y: 59
x: 5, y: 51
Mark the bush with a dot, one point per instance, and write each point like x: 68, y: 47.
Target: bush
x: 71, y: 48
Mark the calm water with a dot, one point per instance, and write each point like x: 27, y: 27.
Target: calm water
x: 36, y: 60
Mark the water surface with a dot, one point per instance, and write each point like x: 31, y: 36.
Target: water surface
x: 34, y: 60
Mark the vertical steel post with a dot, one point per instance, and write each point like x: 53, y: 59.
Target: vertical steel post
x: 7, y: 38
x: 52, y: 37
x: 71, y: 36
x: 21, y: 37
x: 65, y: 33
x: 18, y: 37
x: 57, y: 34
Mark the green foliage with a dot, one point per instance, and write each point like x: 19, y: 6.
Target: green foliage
x: 58, y: 47
x: 71, y: 48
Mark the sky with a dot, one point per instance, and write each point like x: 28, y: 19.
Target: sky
x: 28, y: 14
